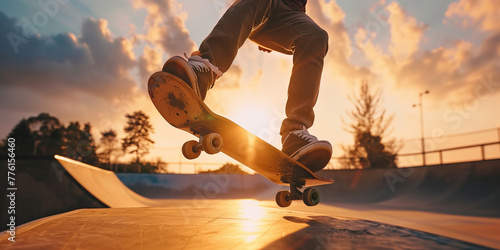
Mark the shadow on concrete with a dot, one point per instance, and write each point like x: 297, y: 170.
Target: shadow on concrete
x: 323, y: 232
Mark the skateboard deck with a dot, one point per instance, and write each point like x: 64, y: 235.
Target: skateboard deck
x: 183, y: 109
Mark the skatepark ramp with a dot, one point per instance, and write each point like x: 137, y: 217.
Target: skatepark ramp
x: 45, y: 188
x: 50, y: 188
x: 110, y: 190
x: 470, y: 188
x: 462, y: 188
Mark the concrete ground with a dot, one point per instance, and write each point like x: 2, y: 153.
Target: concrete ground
x: 216, y: 212
x: 228, y: 224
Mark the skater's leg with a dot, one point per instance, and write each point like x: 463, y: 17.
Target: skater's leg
x: 293, y: 31
x: 219, y: 49
x: 222, y: 44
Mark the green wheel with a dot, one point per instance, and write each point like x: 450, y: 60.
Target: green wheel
x: 311, y: 197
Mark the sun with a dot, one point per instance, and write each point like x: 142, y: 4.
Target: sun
x: 254, y: 115
x: 251, y: 116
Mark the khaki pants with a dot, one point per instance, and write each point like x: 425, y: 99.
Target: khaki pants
x: 274, y: 25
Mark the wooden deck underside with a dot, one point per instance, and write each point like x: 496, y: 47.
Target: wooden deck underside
x: 183, y: 109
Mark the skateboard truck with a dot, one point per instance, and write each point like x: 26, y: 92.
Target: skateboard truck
x: 210, y: 143
x: 284, y: 198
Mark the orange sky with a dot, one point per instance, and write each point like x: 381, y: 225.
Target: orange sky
x: 450, y: 49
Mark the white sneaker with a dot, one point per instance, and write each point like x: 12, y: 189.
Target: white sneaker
x: 197, y: 72
x: 307, y: 149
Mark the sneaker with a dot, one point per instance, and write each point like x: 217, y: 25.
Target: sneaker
x: 197, y: 72
x: 307, y: 149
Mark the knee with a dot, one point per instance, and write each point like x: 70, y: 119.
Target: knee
x: 320, y: 39
x: 320, y: 35
x: 315, y: 41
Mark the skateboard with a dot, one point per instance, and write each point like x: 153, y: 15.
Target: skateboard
x: 183, y: 109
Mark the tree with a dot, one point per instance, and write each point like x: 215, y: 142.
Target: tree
x: 137, y: 135
x: 155, y: 166
x: 108, y: 146
x: 161, y: 167
x: 25, y: 140
x: 4, y: 147
x: 48, y: 134
x: 38, y: 135
x: 369, y: 127
x: 79, y: 143
x: 227, y: 168
x: 45, y: 135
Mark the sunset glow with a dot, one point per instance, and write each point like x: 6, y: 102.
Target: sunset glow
x: 106, y: 52
x: 252, y: 115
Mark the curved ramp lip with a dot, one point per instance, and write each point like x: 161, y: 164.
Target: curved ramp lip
x: 105, y: 185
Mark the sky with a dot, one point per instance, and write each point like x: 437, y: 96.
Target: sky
x: 89, y: 61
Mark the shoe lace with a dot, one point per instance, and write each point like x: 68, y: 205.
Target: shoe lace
x: 303, y: 134
x: 203, y: 65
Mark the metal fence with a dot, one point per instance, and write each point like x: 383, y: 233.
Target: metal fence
x: 482, y: 145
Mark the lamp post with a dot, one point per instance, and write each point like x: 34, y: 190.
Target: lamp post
x: 422, y: 123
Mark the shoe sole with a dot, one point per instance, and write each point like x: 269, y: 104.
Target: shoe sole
x: 314, y: 157
x: 179, y: 67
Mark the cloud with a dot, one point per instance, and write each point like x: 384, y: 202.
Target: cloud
x: 165, y: 26
x: 440, y: 70
x: 79, y: 77
x: 483, y: 14
x: 406, y: 32
x: 231, y: 78
x: 165, y: 32
x: 330, y: 17
x: 405, y: 35
x: 452, y: 72
x: 93, y: 63
x: 150, y: 61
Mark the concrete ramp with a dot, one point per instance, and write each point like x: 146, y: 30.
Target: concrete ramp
x: 105, y: 186
x: 470, y: 188
x: 156, y: 190
x: 465, y: 188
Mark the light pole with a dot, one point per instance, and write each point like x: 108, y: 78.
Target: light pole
x: 422, y: 122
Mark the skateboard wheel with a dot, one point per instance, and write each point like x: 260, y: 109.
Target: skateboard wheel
x: 212, y: 143
x: 311, y: 197
x: 283, y: 198
x: 188, y: 150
